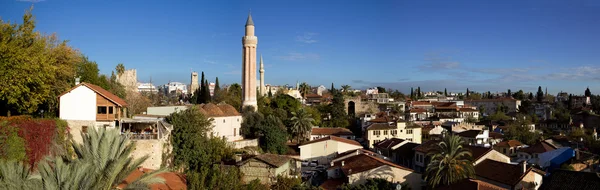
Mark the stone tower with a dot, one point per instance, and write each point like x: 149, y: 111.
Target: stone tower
x: 129, y: 80
x: 194, y: 83
x: 249, y: 42
x: 262, y: 77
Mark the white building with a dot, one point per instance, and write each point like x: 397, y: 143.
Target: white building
x: 372, y: 91
x: 380, y: 131
x: 321, y: 89
x: 175, y: 87
x: 476, y: 137
x: 86, y: 106
x: 325, y: 149
x: 226, y: 120
x: 147, y: 87
x: 317, y: 133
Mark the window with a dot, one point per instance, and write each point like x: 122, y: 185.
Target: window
x: 385, y: 132
x: 394, y: 132
x: 223, y: 120
x: 84, y: 129
x: 409, y: 139
x: 376, y: 132
x: 234, y: 132
x: 110, y: 110
x: 409, y: 131
x: 101, y: 109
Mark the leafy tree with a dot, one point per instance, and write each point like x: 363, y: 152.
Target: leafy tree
x: 380, y: 89
x: 251, y: 125
x: 214, y: 177
x: 509, y: 94
x: 346, y: 88
x: 304, y: 89
x: 274, y: 135
x: 339, y: 117
x: 450, y: 162
x: 285, y: 102
x: 234, y: 96
x: 302, y: 123
x: 540, y: 94
x: 103, y: 161
x: 120, y: 69
x: 314, y: 113
x: 136, y: 103
x: 36, y: 68
x: 519, y: 95
x: 530, y: 96
x: 519, y: 130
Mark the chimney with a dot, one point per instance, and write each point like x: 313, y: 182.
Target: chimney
x: 342, y: 163
x: 523, y: 165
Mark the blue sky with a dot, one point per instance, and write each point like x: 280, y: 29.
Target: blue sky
x: 480, y: 45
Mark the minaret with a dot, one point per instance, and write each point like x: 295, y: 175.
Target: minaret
x: 262, y: 77
x: 249, y: 42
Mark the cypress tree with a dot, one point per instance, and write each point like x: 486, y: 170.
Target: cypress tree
x: 217, y: 86
x: 468, y: 93
x: 201, y: 99
x: 509, y: 93
x: 332, y: 89
x: 412, y: 93
x: 445, y: 92
x: 540, y: 94
x: 206, y: 93
x: 587, y: 92
x: 418, y: 91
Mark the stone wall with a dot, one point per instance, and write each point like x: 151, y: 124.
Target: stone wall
x: 256, y: 170
x: 129, y: 80
x: 361, y: 107
x: 152, y: 148
x: 75, y: 127
x: 244, y: 143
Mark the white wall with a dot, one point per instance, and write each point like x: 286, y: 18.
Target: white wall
x: 164, y: 110
x: 78, y: 104
x: 226, y: 126
x: 324, y: 150
x: 391, y: 174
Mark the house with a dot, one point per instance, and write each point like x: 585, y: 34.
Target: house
x: 226, y: 120
x: 508, y: 147
x: 468, y: 113
x: 150, y: 136
x: 324, y: 149
x: 380, y: 131
x: 355, y: 170
x: 317, y: 133
x: 418, y: 114
x: 509, y: 176
x: 496, y: 138
x: 266, y: 168
x: 476, y: 137
x: 478, y: 153
x: 404, y: 155
x: 313, y: 99
x: 87, y: 105
x: 534, y: 150
x: 386, y: 146
x: 173, y: 181
x: 565, y: 179
x: 457, y: 127
x: 432, y: 131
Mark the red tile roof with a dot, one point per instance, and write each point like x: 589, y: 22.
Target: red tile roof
x: 388, y: 143
x: 360, y: 151
x: 471, y: 184
x: 420, y: 103
x: 173, y: 181
x: 539, y: 147
x: 495, y: 135
x: 381, y: 126
x: 334, y: 138
x: 477, y: 151
x: 364, y: 162
x: 509, y: 143
x: 417, y: 110
x: 221, y: 110
x: 331, y: 131
x: 469, y: 133
x: 101, y: 91
x: 467, y: 110
x: 312, y: 96
x: 427, y: 146
x: 505, y: 173
x: 382, y: 120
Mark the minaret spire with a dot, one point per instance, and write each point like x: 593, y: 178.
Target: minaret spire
x: 249, y: 42
x: 249, y: 21
x: 262, y: 77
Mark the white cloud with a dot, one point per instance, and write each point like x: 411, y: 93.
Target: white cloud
x: 210, y: 62
x: 307, y: 37
x: 299, y: 56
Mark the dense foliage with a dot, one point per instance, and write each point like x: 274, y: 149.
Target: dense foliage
x: 450, y: 162
x: 37, y: 68
x: 103, y: 161
x: 269, y: 130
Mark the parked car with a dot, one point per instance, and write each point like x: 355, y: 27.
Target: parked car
x: 307, y: 174
x: 314, y: 163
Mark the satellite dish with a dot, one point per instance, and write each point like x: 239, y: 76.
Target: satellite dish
x: 399, y: 187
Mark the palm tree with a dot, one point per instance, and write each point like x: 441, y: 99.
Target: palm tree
x: 302, y: 123
x: 120, y: 69
x: 304, y: 89
x: 102, y: 162
x: 346, y: 88
x: 450, y: 162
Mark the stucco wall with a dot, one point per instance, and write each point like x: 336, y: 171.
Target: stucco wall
x: 164, y: 110
x: 324, y: 150
x: 78, y: 104
x: 528, y: 179
x: 152, y: 148
x: 392, y: 174
x: 228, y: 127
x: 129, y: 80
x: 256, y: 170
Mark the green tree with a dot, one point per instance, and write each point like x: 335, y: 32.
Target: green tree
x: 120, y: 69
x: 304, y: 89
x: 450, y: 162
x: 519, y: 130
x: 587, y: 92
x: 234, y: 96
x: 380, y: 89
x: 468, y: 93
x: 339, y: 117
x: 412, y: 93
x: 509, y: 94
x: 274, y: 136
x: 217, y: 91
x: 540, y: 94
x: 445, y: 92
x: 346, y: 88
x: 302, y: 124
x: 285, y: 102
x: 103, y: 161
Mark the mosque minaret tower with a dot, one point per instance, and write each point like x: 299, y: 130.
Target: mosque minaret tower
x: 249, y: 42
x: 262, y: 77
